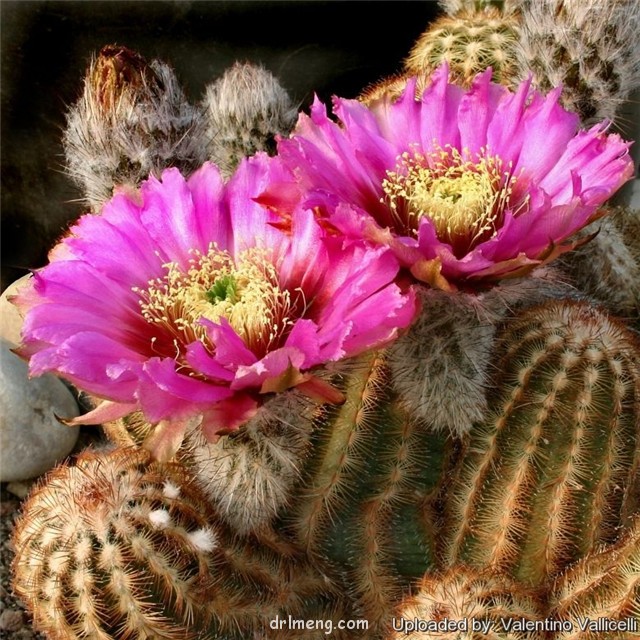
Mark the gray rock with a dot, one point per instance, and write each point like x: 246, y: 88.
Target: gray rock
x: 32, y: 441
x: 10, y: 318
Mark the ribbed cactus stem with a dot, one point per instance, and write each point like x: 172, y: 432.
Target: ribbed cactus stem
x: 466, y: 603
x: 550, y: 475
x: 361, y: 503
x: 119, y: 547
x: 342, y: 451
x: 600, y: 595
x: 114, y: 548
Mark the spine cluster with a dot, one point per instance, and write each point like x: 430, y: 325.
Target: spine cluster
x: 551, y: 475
x: 115, y: 547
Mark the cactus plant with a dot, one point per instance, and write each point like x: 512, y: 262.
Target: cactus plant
x: 553, y: 473
x: 470, y: 42
x: 112, y: 546
x: 118, y: 546
x: 466, y: 603
x: 590, y: 48
x: 600, y: 596
x: 329, y: 459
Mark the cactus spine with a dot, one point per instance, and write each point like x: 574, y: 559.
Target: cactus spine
x: 471, y: 41
x: 605, y: 586
x: 460, y: 598
x: 371, y: 472
x: 551, y: 475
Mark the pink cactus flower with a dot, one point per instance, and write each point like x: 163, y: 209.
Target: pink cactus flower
x: 186, y: 302
x: 466, y: 187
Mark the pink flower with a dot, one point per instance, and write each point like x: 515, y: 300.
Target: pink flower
x: 465, y: 186
x: 185, y: 301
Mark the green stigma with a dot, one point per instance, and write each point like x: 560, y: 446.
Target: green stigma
x: 225, y: 288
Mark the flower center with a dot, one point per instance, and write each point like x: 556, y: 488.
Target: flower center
x: 245, y: 291
x: 464, y: 198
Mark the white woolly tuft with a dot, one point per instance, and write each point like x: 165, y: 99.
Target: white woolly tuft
x: 170, y: 490
x: 203, y: 539
x: 160, y: 518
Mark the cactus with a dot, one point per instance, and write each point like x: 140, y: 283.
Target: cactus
x: 465, y: 603
x: 132, y: 120
x: 111, y: 546
x: 590, y: 48
x: 470, y: 42
x: 244, y: 111
x: 450, y: 484
x: 553, y: 473
x: 600, y: 596
x: 608, y: 267
x: 117, y: 546
x: 368, y: 479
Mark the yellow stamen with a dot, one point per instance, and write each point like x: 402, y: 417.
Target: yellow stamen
x: 245, y: 291
x: 465, y: 196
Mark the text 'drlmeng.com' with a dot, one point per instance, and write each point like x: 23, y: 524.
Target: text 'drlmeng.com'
x: 328, y: 626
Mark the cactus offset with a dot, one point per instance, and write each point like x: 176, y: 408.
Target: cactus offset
x: 111, y: 546
x: 604, y: 586
x: 461, y: 597
x: 470, y: 42
x: 117, y: 546
x: 550, y: 476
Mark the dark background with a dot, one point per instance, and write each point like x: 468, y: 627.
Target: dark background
x: 334, y: 47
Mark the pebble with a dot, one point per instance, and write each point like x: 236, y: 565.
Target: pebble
x: 33, y: 441
x: 11, y: 620
x: 10, y: 317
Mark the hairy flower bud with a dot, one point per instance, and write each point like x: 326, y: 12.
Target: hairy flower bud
x: 132, y: 120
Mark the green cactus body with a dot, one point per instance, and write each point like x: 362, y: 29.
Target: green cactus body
x: 600, y: 595
x: 470, y: 42
x: 361, y: 502
x: 552, y: 474
x: 466, y: 603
